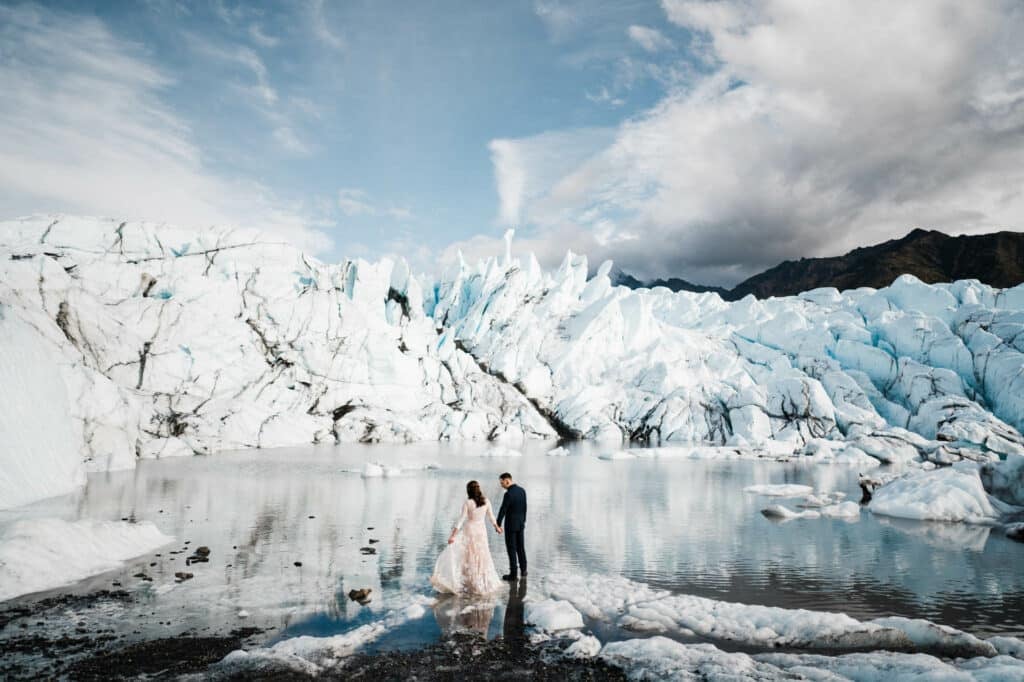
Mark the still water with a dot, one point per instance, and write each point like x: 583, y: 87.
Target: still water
x: 682, y: 525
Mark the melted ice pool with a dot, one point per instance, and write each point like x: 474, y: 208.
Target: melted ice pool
x: 682, y: 525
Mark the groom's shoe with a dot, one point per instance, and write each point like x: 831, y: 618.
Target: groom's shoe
x: 509, y: 577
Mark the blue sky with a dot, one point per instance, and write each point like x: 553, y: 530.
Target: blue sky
x: 704, y: 140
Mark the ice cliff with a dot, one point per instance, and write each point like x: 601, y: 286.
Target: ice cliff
x: 170, y: 341
x: 174, y: 342
x: 909, y: 371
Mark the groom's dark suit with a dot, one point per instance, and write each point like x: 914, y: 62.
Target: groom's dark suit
x: 513, y: 512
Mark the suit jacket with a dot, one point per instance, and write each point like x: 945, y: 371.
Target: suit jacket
x: 513, y: 509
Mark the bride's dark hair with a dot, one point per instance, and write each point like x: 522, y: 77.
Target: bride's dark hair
x: 474, y: 493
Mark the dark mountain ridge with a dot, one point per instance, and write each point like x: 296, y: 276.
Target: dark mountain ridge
x: 997, y: 259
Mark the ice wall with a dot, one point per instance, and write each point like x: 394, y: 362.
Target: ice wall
x: 174, y: 342
x: 909, y: 371
x: 39, y: 442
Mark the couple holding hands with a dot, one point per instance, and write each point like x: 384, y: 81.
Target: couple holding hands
x: 465, y: 566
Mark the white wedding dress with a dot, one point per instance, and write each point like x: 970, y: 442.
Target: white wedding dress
x: 465, y: 566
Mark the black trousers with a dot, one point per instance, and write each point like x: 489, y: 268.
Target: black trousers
x: 516, y: 547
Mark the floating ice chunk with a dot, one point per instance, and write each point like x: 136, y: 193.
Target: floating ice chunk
x: 379, y: 470
x: 777, y: 511
x: 823, y: 499
x: 883, y: 665
x: 1008, y: 646
x: 843, y: 510
x: 636, y: 606
x: 772, y: 450
x: 946, y: 494
x: 586, y: 646
x: 41, y: 554
x: 660, y: 658
x: 560, y: 451
x: 848, y: 455
x: 780, y: 490
x: 499, y: 451
x: 616, y: 454
x: 931, y: 636
x: 553, y: 615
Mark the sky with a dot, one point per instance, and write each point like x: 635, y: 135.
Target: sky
x: 703, y: 140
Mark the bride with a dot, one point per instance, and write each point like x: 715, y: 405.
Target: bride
x: 465, y: 565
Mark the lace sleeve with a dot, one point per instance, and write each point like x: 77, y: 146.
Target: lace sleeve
x: 490, y: 513
x: 464, y: 512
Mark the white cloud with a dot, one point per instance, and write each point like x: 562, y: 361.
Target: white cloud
x: 605, y: 97
x: 261, y: 38
x: 243, y: 57
x: 83, y: 129
x: 559, y: 17
x: 650, y: 39
x: 525, y: 170
x: 353, y: 201
x: 290, y: 142
x: 322, y: 29
x: 825, y: 125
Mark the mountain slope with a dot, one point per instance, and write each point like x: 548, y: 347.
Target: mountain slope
x: 996, y: 259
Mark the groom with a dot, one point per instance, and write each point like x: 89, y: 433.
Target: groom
x: 513, y: 512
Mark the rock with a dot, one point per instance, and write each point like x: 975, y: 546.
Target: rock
x: 1015, y: 531
x: 298, y: 563
x: 374, y: 541
x: 368, y: 550
x: 867, y: 488
x: 182, y: 576
x: 362, y: 596
x: 203, y: 551
x: 311, y: 516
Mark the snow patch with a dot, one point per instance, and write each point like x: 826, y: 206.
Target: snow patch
x: 42, y: 554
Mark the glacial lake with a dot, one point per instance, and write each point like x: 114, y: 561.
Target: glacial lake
x: 682, y: 525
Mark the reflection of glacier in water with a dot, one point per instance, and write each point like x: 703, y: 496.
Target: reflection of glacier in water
x: 681, y: 525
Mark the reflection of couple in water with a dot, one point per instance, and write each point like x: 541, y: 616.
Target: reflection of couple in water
x: 465, y: 568
x: 473, y: 613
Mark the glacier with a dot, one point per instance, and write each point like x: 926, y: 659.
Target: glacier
x: 176, y: 342
x: 171, y: 341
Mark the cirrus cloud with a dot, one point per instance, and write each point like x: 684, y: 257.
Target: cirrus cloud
x: 84, y: 129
